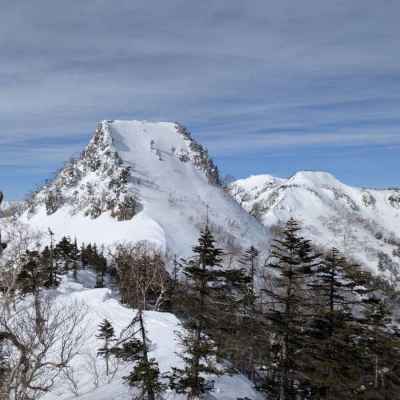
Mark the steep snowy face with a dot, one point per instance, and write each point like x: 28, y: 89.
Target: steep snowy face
x: 100, y: 180
x: 363, y: 223
x: 139, y: 180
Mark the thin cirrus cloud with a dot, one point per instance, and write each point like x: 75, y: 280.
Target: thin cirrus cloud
x: 272, y: 141
x: 245, y: 77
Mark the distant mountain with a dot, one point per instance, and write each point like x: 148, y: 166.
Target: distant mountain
x: 140, y: 180
x: 363, y: 223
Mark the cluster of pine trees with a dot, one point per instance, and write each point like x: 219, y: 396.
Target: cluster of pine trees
x: 301, y: 326
x: 44, y: 268
x: 331, y: 328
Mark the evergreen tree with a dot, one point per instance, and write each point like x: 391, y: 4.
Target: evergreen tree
x: 53, y: 267
x: 53, y: 276
x: 75, y: 257
x: 245, y: 339
x: 175, y: 290
x: 84, y: 255
x: 145, y: 375
x: 333, y: 333
x: 100, y: 265
x: 204, y: 274
x: 106, y: 334
x: 249, y: 262
x: 94, y: 253
x: 32, y: 276
x: 292, y: 261
x: 63, y: 251
x: 381, y: 342
x: 90, y: 256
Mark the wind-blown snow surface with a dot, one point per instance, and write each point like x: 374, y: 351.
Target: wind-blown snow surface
x: 169, y: 175
x: 363, y: 223
x: 161, y: 328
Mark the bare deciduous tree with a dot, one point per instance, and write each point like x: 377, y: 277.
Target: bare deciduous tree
x: 40, y: 338
x: 96, y: 368
x: 142, y: 275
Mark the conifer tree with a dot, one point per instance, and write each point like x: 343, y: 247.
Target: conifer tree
x: 53, y: 267
x: 106, y: 334
x: 292, y: 259
x: 381, y: 342
x: 63, y: 252
x: 245, y: 340
x: 75, y: 257
x: 53, y: 276
x: 145, y: 375
x: 335, y: 361
x: 249, y: 262
x: 100, y: 265
x: 84, y: 255
x: 32, y: 276
x: 204, y: 274
x: 336, y: 285
x: 175, y: 288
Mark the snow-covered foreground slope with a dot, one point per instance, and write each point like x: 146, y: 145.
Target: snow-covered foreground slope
x: 153, y: 171
x: 161, y: 328
x: 363, y: 223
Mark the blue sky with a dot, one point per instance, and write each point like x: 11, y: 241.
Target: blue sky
x: 269, y: 87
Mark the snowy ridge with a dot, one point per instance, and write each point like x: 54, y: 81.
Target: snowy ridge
x: 139, y: 180
x: 363, y: 223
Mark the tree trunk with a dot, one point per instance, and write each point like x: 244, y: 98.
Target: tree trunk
x: 149, y: 390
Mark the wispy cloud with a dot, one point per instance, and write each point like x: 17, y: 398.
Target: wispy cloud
x: 259, y: 143
x: 241, y: 75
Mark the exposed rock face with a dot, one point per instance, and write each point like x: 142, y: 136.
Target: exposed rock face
x: 139, y: 180
x: 100, y: 162
x: 96, y: 183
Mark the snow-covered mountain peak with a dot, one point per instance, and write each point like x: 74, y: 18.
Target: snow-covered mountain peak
x: 160, y: 142
x: 313, y: 178
x: 361, y: 222
x: 139, y: 180
x: 260, y: 181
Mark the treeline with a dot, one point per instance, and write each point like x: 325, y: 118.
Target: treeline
x: 138, y: 270
x: 301, y: 325
x: 44, y: 268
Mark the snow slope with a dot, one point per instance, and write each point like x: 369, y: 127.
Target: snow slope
x: 160, y: 168
x: 161, y: 328
x: 363, y: 223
